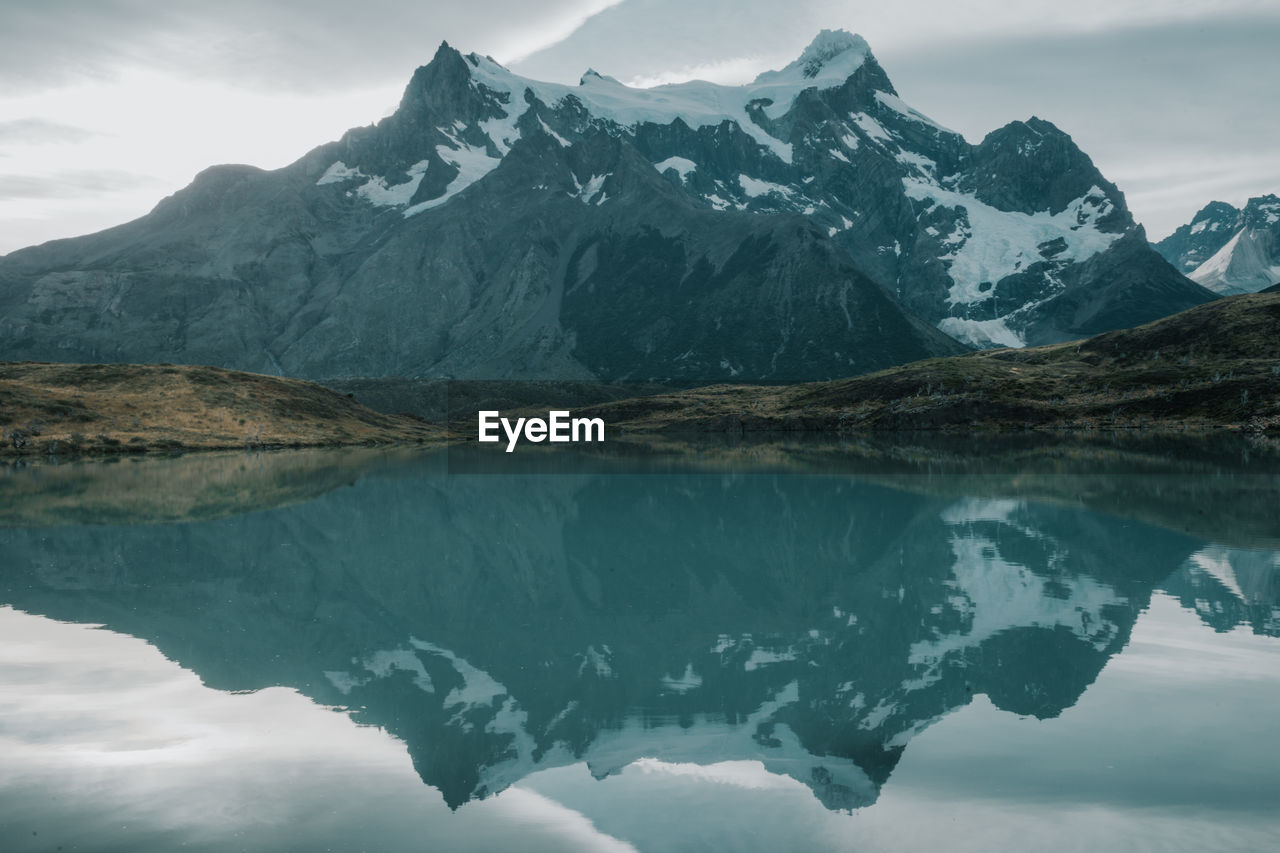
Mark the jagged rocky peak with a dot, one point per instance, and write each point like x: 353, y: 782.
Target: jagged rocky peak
x: 1262, y: 212
x: 436, y: 85
x: 1208, y: 231
x: 830, y: 58
x: 460, y: 116
x: 451, y: 83
x: 1250, y: 260
x: 1213, y: 216
x: 1030, y: 166
x: 1227, y: 249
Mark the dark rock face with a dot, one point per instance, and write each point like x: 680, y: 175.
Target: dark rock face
x: 1118, y: 288
x: 807, y: 226
x: 1229, y: 250
x: 1032, y: 166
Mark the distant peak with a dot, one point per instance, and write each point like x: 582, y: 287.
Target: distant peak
x: 1262, y: 211
x: 591, y: 74
x: 445, y: 56
x: 1215, y: 210
x: 827, y: 45
x: 1044, y: 127
x: 832, y: 55
x: 1034, y: 130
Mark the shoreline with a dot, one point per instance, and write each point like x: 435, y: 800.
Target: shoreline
x: 1213, y: 368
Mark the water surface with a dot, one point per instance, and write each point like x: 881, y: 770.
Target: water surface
x: 849, y: 648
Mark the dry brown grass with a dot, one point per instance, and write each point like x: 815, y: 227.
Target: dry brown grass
x: 121, y: 408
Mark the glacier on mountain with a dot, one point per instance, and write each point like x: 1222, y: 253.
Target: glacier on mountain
x: 827, y: 62
x: 377, y: 192
x: 993, y: 243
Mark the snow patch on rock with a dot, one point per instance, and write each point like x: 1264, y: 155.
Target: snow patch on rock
x: 683, y: 166
x: 997, y: 243
x: 871, y: 128
x: 983, y: 334
x: 338, y: 172
x: 754, y: 187
x: 900, y: 106
x: 472, y: 163
x: 377, y: 192
x: 593, y: 190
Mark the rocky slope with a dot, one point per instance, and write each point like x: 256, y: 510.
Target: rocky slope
x: 499, y: 227
x: 1227, y: 249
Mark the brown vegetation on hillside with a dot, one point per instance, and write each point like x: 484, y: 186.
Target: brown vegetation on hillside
x: 1214, y: 366
x: 122, y: 408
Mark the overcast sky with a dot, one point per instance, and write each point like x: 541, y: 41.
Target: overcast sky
x: 106, y: 106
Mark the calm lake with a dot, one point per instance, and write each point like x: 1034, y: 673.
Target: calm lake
x: 943, y: 645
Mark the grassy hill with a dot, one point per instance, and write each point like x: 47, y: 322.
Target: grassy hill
x: 120, y: 408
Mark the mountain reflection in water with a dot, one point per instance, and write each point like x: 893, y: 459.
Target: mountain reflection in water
x: 503, y: 625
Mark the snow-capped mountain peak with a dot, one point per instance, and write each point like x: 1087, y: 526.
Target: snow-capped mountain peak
x: 1229, y: 250
x: 831, y: 57
x: 591, y: 76
x: 1197, y: 241
x: 1024, y: 205
x: 820, y: 180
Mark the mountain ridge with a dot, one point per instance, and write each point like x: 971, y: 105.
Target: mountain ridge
x: 1227, y: 249
x: 769, y: 231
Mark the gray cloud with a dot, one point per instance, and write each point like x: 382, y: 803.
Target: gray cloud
x: 1176, y: 114
x: 640, y: 38
x: 72, y: 184
x: 1177, y: 105
x: 38, y: 131
x: 297, y: 45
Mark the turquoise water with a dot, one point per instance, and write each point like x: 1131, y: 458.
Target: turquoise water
x: 870, y: 650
